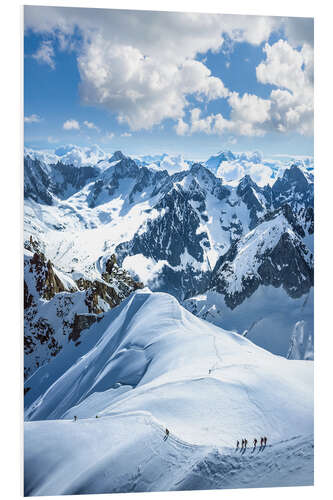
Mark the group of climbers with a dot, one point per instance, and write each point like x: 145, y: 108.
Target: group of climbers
x: 263, y: 442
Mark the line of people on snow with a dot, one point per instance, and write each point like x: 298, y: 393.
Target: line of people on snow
x: 263, y: 442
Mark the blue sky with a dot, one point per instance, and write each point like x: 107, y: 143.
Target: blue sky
x: 148, y: 82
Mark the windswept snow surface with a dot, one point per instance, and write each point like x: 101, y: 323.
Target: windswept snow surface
x: 155, y: 365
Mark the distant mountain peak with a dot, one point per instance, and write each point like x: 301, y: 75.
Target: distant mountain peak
x: 117, y: 155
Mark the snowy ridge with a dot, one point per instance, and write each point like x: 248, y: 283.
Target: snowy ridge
x: 155, y: 365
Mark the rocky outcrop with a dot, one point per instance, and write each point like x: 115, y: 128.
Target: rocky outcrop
x: 81, y: 322
x: 57, y: 310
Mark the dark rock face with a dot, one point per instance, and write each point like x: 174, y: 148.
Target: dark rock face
x: 68, y: 179
x: 37, y: 182
x: 46, y: 281
x: 81, y: 322
x: 169, y: 235
x: 293, y: 188
x: 174, y: 235
x: 248, y: 191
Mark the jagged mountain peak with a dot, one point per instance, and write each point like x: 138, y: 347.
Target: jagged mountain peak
x: 117, y: 155
x: 247, y: 181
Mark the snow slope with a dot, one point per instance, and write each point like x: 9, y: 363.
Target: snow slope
x: 126, y: 453
x: 155, y: 365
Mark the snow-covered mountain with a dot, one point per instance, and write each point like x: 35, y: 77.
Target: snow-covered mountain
x: 150, y: 364
x: 185, y: 233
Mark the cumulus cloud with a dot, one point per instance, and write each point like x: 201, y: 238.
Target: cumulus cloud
x: 143, y: 66
x: 249, y: 108
x: 288, y: 108
x: 248, y: 114
x: 32, y: 119
x: 126, y: 134
x: 45, y: 54
x: 143, y: 90
x: 71, y: 125
x: 290, y: 70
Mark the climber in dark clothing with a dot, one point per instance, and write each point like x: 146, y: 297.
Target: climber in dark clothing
x: 75, y: 418
x: 167, y: 432
x: 265, y: 441
x: 255, y: 443
x: 237, y: 445
x: 242, y: 444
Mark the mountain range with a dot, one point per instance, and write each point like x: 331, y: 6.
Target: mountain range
x: 239, y: 255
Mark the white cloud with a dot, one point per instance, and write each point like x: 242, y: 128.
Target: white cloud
x: 261, y: 174
x: 247, y: 115
x: 91, y: 125
x: 181, y: 127
x: 71, y: 125
x: 126, y: 134
x: 245, y: 163
x: 143, y: 90
x: 288, y: 108
x: 249, y: 108
x: 290, y: 70
x: 32, y: 119
x: 230, y: 171
x: 80, y: 156
x: 109, y: 136
x: 45, y: 54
